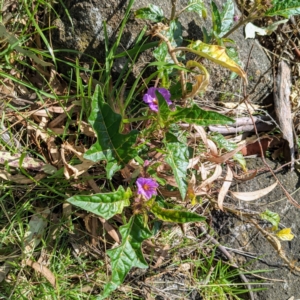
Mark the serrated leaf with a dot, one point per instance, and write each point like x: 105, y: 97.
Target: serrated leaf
x: 218, y: 55
x: 105, y: 205
x: 227, y: 15
x: 174, y: 215
x: 272, y: 217
x: 128, y: 254
x: 285, y: 234
x: 285, y: 8
x: 196, y: 115
x: 111, y: 145
x: 197, y: 6
x: 152, y: 13
x: 178, y: 159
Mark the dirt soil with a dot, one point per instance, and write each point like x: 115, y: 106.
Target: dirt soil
x: 239, y: 235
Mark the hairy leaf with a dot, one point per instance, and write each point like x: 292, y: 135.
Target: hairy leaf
x: 111, y: 145
x: 272, y: 217
x: 152, y: 13
x: 178, y: 159
x: 218, y: 55
x: 128, y: 254
x: 174, y: 215
x: 105, y: 205
x: 285, y: 8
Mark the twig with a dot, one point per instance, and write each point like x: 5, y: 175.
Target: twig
x: 230, y: 258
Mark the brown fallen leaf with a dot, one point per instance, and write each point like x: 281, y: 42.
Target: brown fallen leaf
x: 215, y: 176
x: 42, y: 270
x: 251, y: 196
x: 19, y: 178
x: 245, y: 176
x: 225, y: 187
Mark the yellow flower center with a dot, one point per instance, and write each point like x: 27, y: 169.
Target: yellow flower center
x: 146, y: 187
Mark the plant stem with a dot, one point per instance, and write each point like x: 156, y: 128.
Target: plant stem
x: 173, y: 12
x: 126, y: 121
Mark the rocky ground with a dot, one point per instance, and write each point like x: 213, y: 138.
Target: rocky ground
x: 87, y: 36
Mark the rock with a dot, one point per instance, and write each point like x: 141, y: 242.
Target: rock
x: 87, y: 36
x: 244, y: 237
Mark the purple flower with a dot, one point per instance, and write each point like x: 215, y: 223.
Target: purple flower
x: 150, y: 97
x: 146, y: 187
x: 236, y: 18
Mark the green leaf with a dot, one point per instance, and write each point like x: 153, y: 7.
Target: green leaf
x: 105, y: 205
x: 198, y: 116
x: 175, y: 33
x: 128, y: 254
x: 174, y: 215
x: 197, y: 6
x: 218, y: 55
x: 233, y: 54
x: 152, y: 13
x: 285, y: 8
x: 161, y: 52
x: 163, y: 109
x: 178, y: 159
x: 216, y: 18
x: 272, y: 217
x: 111, y: 145
x: 176, y: 90
x: 227, y: 15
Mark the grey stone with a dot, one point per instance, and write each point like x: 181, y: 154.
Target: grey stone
x: 87, y: 36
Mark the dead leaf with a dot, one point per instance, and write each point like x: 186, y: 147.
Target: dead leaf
x: 226, y: 156
x: 19, y: 178
x: 225, y: 187
x: 202, y: 133
x: 36, y: 228
x: 215, y: 176
x: 245, y: 176
x: 42, y: 270
x: 251, y: 196
x: 212, y: 147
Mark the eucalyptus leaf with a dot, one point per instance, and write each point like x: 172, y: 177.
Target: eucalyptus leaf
x: 174, y: 215
x: 223, y: 143
x: 105, y: 205
x: 129, y: 254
